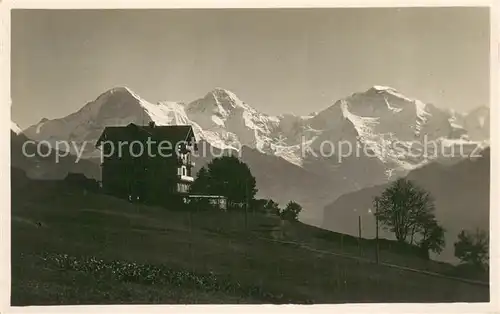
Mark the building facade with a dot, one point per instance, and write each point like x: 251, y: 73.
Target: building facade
x: 148, y: 164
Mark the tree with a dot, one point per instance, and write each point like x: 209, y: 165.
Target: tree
x: 405, y: 209
x: 473, y: 248
x: 258, y: 205
x: 291, y: 211
x: 200, y: 185
x: 272, y: 207
x: 267, y: 206
x: 227, y: 176
x: 432, y: 237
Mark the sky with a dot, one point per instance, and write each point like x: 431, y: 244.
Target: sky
x: 276, y: 60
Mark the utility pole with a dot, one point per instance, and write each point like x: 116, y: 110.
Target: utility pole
x: 359, y: 227
x: 359, y: 233
x: 246, y: 204
x: 190, y: 210
x: 342, y: 243
x: 377, y: 257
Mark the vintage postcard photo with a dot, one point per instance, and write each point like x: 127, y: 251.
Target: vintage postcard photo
x: 329, y: 155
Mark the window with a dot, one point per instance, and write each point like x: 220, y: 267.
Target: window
x: 184, y: 172
x: 184, y: 158
x: 182, y: 188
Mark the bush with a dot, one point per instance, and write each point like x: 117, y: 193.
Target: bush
x: 162, y: 275
x: 291, y: 211
x: 473, y: 248
x: 266, y: 206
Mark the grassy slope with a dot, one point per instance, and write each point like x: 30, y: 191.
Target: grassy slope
x: 49, y: 221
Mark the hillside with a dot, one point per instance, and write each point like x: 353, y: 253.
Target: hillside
x: 41, y: 162
x: 461, y: 192
x: 117, y: 252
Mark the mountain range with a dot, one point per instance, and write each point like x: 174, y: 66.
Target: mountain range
x: 301, y: 158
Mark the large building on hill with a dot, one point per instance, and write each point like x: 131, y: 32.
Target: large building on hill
x: 148, y: 164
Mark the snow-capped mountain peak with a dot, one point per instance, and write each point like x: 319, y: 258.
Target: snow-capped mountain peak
x: 477, y: 123
x: 223, y: 95
x: 119, y: 92
x: 219, y: 101
x: 391, y: 125
x: 383, y: 88
x: 377, y: 117
x: 15, y: 128
x: 387, y: 90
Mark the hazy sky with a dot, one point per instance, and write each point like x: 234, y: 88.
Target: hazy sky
x: 286, y: 60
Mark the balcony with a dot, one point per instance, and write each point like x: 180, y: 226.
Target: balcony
x: 186, y: 161
x: 186, y: 178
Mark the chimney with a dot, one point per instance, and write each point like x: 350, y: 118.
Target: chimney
x: 151, y: 124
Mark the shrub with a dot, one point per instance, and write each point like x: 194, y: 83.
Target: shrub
x: 161, y: 275
x: 291, y: 211
x: 473, y: 248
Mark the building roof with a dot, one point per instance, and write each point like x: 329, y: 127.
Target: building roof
x: 172, y: 133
